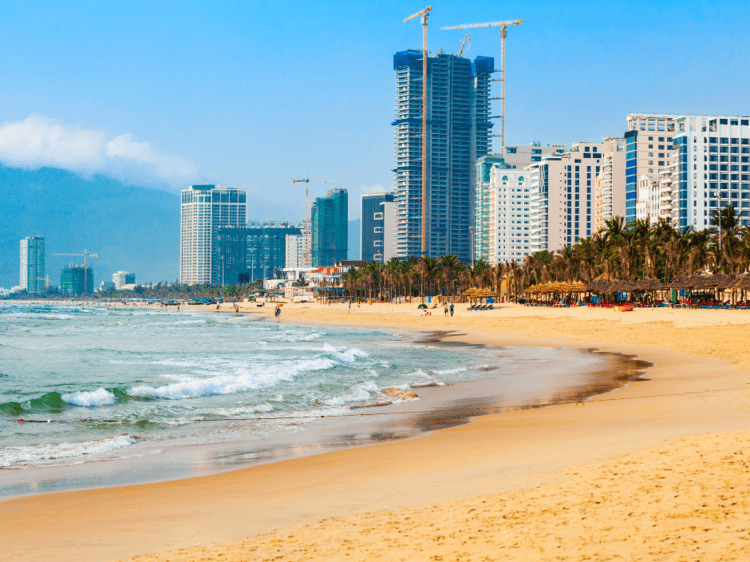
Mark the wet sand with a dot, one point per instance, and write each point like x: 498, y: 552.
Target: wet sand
x: 655, y: 471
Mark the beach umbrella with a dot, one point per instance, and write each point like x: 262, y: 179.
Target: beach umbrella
x: 578, y: 287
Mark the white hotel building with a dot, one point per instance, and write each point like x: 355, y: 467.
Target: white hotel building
x: 711, y: 170
x: 204, y: 209
x: 509, y: 231
x: 545, y: 206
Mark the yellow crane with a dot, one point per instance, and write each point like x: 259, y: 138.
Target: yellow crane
x: 85, y: 255
x: 308, y: 246
x: 425, y: 15
x: 503, y: 25
x: 461, y: 50
x: 47, y: 280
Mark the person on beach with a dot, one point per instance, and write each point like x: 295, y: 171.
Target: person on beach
x: 445, y: 309
x: 451, y: 309
x: 277, y: 312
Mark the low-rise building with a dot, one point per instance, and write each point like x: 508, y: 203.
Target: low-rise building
x: 122, y: 278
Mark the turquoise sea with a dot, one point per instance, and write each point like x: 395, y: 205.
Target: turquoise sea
x: 98, y: 385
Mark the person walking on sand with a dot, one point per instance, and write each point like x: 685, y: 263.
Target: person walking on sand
x: 445, y: 309
x: 451, y: 310
x: 277, y: 312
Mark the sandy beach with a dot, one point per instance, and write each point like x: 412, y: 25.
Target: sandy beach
x: 658, y: 470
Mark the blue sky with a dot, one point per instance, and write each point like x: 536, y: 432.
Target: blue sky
x: 253, y: 94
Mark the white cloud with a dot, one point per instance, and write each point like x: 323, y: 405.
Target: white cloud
x: 39, y: 141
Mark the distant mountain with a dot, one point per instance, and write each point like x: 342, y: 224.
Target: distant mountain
x: 131, y: 228
x: 353, y: 242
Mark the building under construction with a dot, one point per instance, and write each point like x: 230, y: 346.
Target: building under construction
x: 76, y: 279
x: 458, y: 132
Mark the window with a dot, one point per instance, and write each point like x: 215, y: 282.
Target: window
x: 510, y: 150
x: 377, y: 243
x: 377, y: 216
x: 378, y: 230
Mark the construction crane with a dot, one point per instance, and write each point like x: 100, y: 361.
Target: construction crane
x: 47, y: 280
x: 503, y: 25
x: 85, y: 255
x: 308, y: 246
x: 425, y: 16
x: 461, y: 50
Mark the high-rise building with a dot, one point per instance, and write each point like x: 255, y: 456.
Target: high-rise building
x: 295, y: 250
x: 648, y: 147
x: 376, y: 241
x: 32, y: 264
x: 458, y: 132
x: 711, y: 169
x: 123, y: 278
x: 483, y: 209
x: 510, y: 223
x: 267, y: 248
x: 609, y: 197
x: 330, y: 228
x: 76, y: 279
x: 204, y: 209
x: 562, y: 196
x: 231, y: 242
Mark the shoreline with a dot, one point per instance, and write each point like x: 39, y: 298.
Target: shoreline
x: 509, y: 453
x: 439, y: 407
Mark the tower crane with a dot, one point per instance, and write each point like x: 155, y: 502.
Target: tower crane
x: 85, y: 255
x: 47, y: 280
x: 466, y: 38
x: 425, y: 16
x: 308, y: 246
x: 503, y: 25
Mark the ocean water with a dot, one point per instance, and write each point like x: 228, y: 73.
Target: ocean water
x: 96, y: 384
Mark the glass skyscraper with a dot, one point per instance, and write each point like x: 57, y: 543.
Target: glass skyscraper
x: 204, y: 209
x: 32, y: 264
x: 458, y: 132
x: 330, y: 228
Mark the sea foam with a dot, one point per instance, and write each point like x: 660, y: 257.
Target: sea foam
x: 100, y: 397
x: 10, y: 456
x: 230, y: 383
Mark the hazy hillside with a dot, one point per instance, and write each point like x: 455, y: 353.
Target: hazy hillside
x: 131, y: 228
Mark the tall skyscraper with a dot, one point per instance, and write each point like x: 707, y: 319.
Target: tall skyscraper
x: 458, y: 132
x: 32, y: 264
x: 330, y: 228
x: 204, y: 209
x: 376, y: 240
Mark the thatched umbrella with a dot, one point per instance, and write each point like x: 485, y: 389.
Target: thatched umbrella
x: 649, y: 284
x: 577, y: 287
x: 741, y: 281
x: 485, y: 293
x: 471, y: 293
